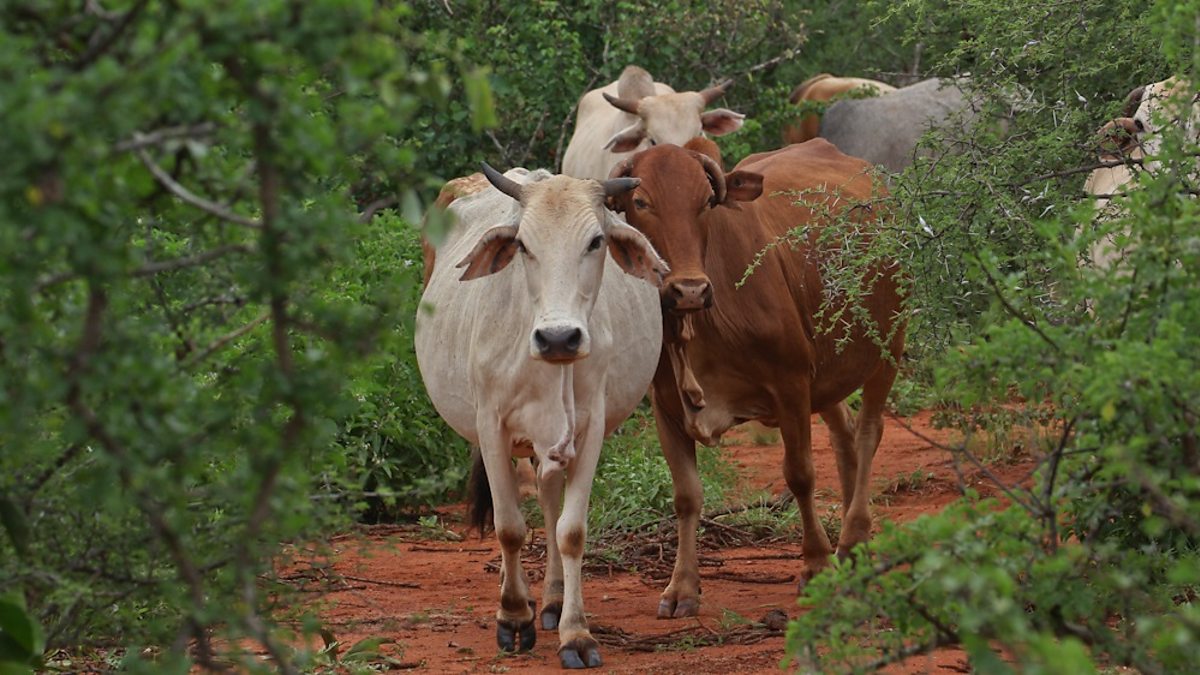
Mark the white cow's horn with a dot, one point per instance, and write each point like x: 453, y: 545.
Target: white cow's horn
x: 501, y: 182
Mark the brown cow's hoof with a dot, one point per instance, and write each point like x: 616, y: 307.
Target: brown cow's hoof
x: 509, y: 632
x: 670, y: 609
x: 580, y: 653
x: 550, y: 615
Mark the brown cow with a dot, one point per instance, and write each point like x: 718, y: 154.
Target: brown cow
x: 822, y: 88
x: 754, y: 353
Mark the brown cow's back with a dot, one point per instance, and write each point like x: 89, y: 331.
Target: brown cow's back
x: 828, y: 183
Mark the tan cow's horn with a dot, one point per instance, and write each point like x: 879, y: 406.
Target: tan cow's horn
x: 1132, y: 101
x: 616, y: 186
x: 626, y: 105
x: 715, y: 92
x: 715, y: 176
x: 501, y: 182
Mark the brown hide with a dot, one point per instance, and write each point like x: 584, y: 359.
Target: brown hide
x: 763, y: 333
x: 756, y: 353
x: 453, y: 189
x: 823, y: 87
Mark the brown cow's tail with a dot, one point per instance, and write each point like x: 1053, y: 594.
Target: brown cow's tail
x: 479, y: 494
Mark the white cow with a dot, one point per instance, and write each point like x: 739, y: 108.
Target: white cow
x: 635, y: 112
x: 542, y: 346
x: 1150, y: 111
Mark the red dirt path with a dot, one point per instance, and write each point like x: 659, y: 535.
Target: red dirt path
x: 438, y: 603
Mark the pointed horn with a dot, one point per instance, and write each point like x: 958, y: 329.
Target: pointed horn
x: 716, y: 176
x: 616, y: 186
x: 715, y: 92
x: 623, y: 169
x: 501, y: 182
x: 624, y: 104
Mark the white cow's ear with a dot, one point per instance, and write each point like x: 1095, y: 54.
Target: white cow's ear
x: 721, y: 121
x: 632, y: 251
x: 496, y: 248
x: 627, y: 139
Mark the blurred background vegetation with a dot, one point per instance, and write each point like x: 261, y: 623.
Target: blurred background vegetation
x: 209, y: 268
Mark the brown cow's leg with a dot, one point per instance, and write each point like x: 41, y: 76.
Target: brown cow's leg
x: 514, y: 619
x: 577, y: 648
x: 856, y: 528
x: 840, y: 421
x: 796, y: 429
x: 682, y: 596
x: 550, y: 495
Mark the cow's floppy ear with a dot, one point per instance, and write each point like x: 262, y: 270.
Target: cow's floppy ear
x: 493, y: 253
x: 632, y: 251
x: 742, y: 186
x: 721, y: 121
x: 627, y: 139
x: 1132, y: 101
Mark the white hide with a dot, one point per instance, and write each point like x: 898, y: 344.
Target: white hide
x: 472, y: 338
x: 666, y: 116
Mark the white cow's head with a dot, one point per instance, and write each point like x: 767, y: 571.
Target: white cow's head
x: 673, y: 118
x: 561, y: 235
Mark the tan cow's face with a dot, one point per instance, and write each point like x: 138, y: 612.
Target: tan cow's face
x: 561, y: 237
x: 677, y: 187
x: 672, y: 118
x: 1166, y: 105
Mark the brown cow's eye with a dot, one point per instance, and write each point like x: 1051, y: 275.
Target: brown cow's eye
x: 640, y: 203
x: 596, y: 243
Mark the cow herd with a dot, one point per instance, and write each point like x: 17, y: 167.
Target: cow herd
x: 558, y: 301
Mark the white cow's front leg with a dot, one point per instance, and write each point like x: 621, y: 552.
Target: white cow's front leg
x: 514, y: 619
x: 577, y: 648
x: 550, y: 495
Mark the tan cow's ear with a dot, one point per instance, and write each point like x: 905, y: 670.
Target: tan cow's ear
x: 721, y: 121
x: 743, y: 186
x: 495, y: 250
x: 632, y: 251
x: 627, y: 139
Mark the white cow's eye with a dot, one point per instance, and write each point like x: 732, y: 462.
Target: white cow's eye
x: 1140, y: 126
x: 521, y: 246
x: 596, y: 243
x: 653, y: 142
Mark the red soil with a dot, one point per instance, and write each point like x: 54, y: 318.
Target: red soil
x: 438, y: 603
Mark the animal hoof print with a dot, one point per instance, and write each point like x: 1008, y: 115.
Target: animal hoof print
x: 550, y: 615
x: 577, y: 655
x: 509, y: 633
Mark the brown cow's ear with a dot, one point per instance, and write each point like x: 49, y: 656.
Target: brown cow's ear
x: 495, y: 250
x: 632, y: 251
x: 742, y: 186
x: 721, y: 121
x: 627, y: 139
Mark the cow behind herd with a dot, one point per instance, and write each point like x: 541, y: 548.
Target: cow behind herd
x: 545, y: 329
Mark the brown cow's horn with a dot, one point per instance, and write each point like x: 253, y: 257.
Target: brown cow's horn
x: 501, y: 182
x: 715, y: 176
x: 616, y: 186
x: 623, y: 169
x: 715, y: 92
x: 628, y: 106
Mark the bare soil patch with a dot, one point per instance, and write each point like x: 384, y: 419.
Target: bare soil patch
x: 437, y: 599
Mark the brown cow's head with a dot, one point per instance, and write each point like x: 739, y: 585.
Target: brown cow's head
x: 678, y: 186
x: 673, y: 118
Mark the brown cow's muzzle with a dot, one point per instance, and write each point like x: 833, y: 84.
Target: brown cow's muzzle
x: 687, y: 295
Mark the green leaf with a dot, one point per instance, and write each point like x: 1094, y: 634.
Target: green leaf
x: 479, y: 97
x: 21, y: 637
x: 366, y: 649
